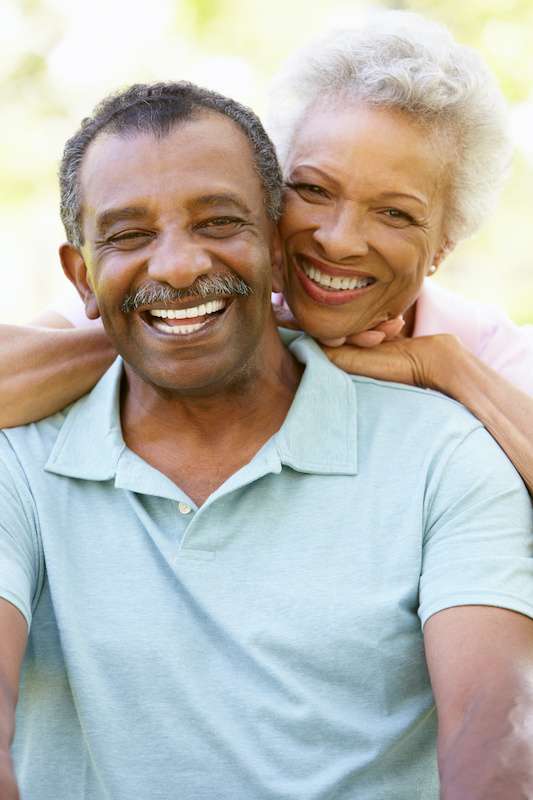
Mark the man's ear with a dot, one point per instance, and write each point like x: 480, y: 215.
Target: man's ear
x: 75, y: 269
x: 277, y: 261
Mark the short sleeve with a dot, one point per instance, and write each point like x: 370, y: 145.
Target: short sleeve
x: 21, y: 562
x: 478, y: 545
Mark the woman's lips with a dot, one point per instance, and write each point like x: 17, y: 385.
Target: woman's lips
x: 328, y: 296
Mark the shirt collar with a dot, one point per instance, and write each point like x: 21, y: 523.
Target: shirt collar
x: 319, y: 434
x: 90, y: 441
x: 320, y: 431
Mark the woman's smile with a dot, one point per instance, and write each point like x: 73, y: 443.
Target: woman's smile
x: 363, y: 217
x: 330, y: 285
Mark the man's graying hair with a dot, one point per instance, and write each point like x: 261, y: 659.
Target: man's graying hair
x: 156, y: 109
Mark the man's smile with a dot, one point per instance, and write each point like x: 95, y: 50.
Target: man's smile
x: 186, y: 321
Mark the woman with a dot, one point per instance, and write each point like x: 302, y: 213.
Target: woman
x: 393, y: 144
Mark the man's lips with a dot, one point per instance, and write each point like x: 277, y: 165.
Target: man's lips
x: 187, y: 320
x: 333, y: 296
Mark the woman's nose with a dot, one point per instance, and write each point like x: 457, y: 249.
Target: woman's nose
x: 342, y: 235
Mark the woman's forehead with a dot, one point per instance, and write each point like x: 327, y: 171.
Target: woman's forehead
x: 351, y: 141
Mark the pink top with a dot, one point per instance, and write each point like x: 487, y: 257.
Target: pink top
x: 484, y: 329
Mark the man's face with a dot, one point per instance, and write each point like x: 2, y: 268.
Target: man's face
x: 175, y: 213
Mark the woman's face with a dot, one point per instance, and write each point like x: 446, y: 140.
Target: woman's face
x: 363, y: 218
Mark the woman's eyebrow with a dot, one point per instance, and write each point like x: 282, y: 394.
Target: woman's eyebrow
x: 387, y: 194
x: 406, y: 196
x: 322, y: 173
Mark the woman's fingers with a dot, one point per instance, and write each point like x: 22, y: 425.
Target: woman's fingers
x: 392, y: 327
x: 367, y: 338
x: 392, y: 361
x: 385, y: 331
x: 333, y: 342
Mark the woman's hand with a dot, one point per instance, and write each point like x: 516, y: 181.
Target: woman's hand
x: 381, y: 353
x: 441, y: 362
x: 385, y: 331
x: 424, y: 361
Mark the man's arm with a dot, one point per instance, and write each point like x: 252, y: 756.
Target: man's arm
x: 43, y: 369
x: 480, y: 661
x: 13, y: 637
x: 441, y: 362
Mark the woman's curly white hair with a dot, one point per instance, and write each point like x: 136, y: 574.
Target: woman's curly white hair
x: 399, y: 60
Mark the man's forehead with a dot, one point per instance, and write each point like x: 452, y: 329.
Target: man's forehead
x: 207, y: 156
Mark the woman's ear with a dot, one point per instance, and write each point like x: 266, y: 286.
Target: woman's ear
x: 444, y: 250
x: 277, y: 261
x: 75, y: 269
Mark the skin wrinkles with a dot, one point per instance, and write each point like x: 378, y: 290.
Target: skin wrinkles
x: 114, y: 216
x: 366, y: 192
x: 170, y: 211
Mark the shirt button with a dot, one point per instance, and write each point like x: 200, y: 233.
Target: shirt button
x: 184, y: 508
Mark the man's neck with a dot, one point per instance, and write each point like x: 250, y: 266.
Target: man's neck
x: 200, y: 440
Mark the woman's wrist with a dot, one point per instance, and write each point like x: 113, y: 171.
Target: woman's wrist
x: 465, y: 378
x: 453, y: 368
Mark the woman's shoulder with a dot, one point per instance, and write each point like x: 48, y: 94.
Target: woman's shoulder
x: 483, y: 328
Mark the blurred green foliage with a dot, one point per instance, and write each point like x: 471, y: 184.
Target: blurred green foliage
x: 49, y: 48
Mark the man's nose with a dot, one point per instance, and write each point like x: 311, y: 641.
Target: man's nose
x: 342, y: 235
x: 178, y: 260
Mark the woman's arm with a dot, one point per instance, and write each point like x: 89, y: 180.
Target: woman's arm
x: 43, y: 369
x: 441, y: 362
x: 505, y: 411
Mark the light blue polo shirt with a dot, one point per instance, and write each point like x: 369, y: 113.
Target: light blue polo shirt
x: 267, y: 645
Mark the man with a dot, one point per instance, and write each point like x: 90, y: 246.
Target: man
x: 223, y: 553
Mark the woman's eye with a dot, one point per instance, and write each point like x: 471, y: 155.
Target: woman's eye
x: 308, y: 190
x: 397, y: 215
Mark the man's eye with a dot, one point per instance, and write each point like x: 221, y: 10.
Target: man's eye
x: 221, y: 226
x: 220, y: 221
x: 130, y: 238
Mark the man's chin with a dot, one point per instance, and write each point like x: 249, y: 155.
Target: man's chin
x: 188, y: 380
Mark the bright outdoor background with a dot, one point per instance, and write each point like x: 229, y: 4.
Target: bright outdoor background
x: 59, y: 57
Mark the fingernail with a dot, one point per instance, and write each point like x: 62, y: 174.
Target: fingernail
x: 373, y: 337
x: 333, y: 342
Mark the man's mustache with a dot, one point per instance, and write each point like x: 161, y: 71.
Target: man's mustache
x: 206, y: 286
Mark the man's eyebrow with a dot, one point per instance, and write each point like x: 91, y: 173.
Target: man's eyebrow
x: 221, y: 198
x: 112, y: 215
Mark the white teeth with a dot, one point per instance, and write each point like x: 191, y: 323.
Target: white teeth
x: 186, y: 313
x: 334, y: 283
x: 178, y: 330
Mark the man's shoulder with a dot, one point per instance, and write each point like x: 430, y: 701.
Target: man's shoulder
x: 411, y: 408
x: 32, y: 443
x: 391, y: 415
x: 410, y: 396
x: 77, y: 425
